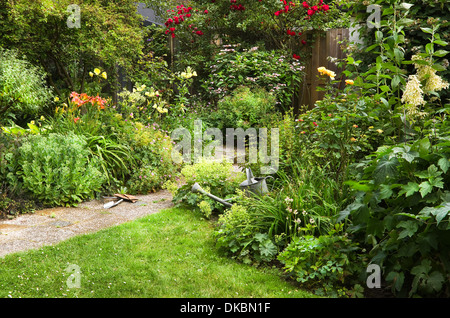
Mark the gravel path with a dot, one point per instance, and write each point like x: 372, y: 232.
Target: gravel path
x: 50, y: 226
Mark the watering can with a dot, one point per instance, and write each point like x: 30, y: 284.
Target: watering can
x: 256, y: 185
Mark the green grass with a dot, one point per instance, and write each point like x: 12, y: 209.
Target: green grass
x: 168, y: 254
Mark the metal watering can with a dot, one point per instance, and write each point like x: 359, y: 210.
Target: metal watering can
x: 252, y: 184
x: 256, y: 185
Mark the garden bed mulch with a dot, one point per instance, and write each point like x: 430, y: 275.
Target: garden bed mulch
x: 50, y: 226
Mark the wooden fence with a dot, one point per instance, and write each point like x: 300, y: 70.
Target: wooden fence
x: 326, y: 44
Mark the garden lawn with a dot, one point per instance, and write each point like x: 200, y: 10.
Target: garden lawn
x: 167, y: 254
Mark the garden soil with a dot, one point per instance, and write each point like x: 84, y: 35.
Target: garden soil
x: 50, y: 226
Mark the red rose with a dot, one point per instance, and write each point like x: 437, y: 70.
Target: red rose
x: 199, y: 33
x: 315, y: 8
x: 277, y: 13
x: 295, y: 56
x: 303, y: 42
x: 305, y: 4
x: 310, y: 12
x: 325, y: 7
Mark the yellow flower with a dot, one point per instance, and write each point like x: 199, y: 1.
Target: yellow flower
x: 379, y: 131
x: 322, y: 70
x: 97, y: 71
x: 353, y: 139
x: 349, y: 82
x: 56, y: 99
x: 91, y: 74
x: 370, y: 127
x: 104, y: 75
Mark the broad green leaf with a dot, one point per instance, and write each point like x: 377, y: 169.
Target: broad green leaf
x: 435, y: 280
x: 425, y: 188
x: 385, y: 191
x: 439, y: 67
x: 441, y: 212
x: 410, y: 227
x: 386, y: 167
x: 397, y: 279
x: 422, y: 269
x: 440, y: 42
x: 427, y: 30
x: 440, y: 53
x: 409, y: 189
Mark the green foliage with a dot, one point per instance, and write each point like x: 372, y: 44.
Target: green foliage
x: 305, y: 198
x: 9, y: 145
x: 23, y: 89
x: 109, y: 33
x: 402, y: 209
x: 244, y: 108
x: 254, y: 67
x: 216, y: 178
x: 150, y: 163
x: 323, y: 263
x: 343, y: 129
x: 236, y: 236
x: 404, y: 31
x: 59, y: 169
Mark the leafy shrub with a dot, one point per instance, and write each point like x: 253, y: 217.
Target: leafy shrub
x: 402, y: 210
x: 323, y: 263
x: 238, y: 238
x: 9, y: 146
x: 342, y: 130
x: 217, y: 178
x: 59, y: 169
x: 245, y: 108
x: 270, y: 70
x: 151, y: 164
x: 23, y: 89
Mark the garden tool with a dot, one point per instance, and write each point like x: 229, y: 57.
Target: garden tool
x: 111, y: 204
x: 196, y: 188
x: 121, y: 197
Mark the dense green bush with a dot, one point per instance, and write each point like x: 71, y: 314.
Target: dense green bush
x: 151, y: 163
x: 244, y: 108
x: 238, y: 238
x: 341, y: 130
x: 59, y: 169
x: 271, y: 70
x: 402, y: 211
x: 327, y: 263
x: 23, y: 88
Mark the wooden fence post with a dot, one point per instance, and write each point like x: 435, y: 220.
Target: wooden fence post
x: 325, y: 44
